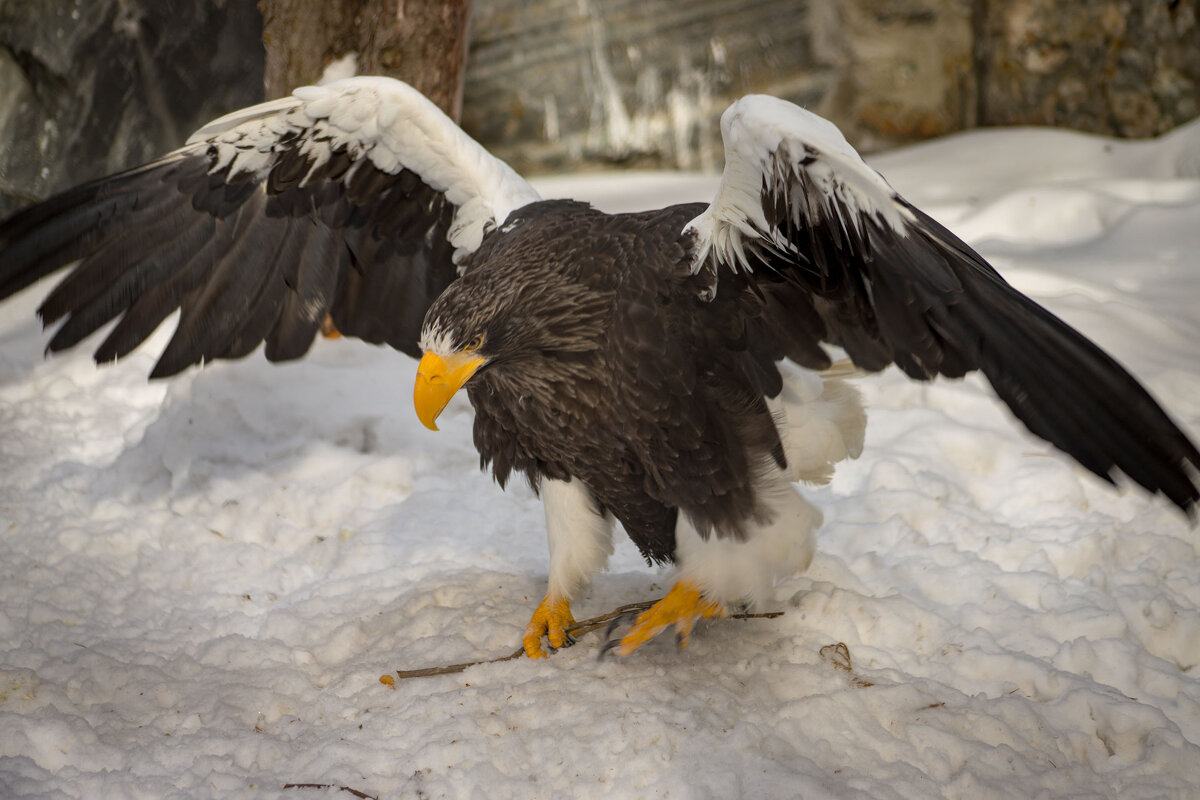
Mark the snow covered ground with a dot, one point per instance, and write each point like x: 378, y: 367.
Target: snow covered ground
x: 201, y: 581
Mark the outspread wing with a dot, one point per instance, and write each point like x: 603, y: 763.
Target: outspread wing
x: 353, y: 199
x: 839, y: 257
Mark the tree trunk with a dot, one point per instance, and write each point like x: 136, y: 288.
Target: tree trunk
x: 421, y: 42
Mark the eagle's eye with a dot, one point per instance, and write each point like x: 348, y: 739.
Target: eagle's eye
x: 474, y: 344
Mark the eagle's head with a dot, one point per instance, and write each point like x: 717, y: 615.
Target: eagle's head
x: 458, y: 338
x: 527, y: 325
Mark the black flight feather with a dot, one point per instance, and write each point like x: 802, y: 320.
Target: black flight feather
x: 246, y: 260
x: 922, y: 299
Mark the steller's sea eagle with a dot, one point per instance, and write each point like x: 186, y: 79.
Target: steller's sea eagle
x: 636, y: 367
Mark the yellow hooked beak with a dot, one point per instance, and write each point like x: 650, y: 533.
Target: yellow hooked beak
x: 438, y: 379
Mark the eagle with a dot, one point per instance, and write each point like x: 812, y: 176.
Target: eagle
x: 669, y: 370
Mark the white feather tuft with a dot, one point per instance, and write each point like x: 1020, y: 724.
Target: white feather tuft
x: 435, y: 339
x: 821, y: 422
x: 799, y: 157
x: 339, y: 69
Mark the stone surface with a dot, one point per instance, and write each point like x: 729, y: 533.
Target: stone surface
x: 643, y: 82
x: 90, y: 86
x: 1121, y: 67
x: 93, y: 86
x: 905, y: 68
x: 552, y: 83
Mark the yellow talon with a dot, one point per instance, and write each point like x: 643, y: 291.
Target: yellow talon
x: 681, y: 607
x: 551, y: 619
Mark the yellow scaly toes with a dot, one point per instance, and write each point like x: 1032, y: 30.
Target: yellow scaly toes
x: 551, y: 619
x: 680, y: 607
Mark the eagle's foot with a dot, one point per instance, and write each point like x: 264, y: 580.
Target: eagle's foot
x: 551, y: 619
x: 681, y: 608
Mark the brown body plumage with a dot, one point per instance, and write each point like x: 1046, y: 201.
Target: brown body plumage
x: 609, y: 368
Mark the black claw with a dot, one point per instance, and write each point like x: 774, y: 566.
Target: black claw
x: 611, y: 641
x: 568, y: 640
x: 617, y: 622
x: 608, y: 647
x: 680, y: 642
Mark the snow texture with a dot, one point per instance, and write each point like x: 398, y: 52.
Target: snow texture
x: 202, y: 580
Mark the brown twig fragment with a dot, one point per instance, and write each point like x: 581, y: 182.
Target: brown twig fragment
x: 838, y: 656
x: 355, y: 792
x: 575, y: 631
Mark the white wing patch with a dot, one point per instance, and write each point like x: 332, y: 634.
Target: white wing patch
x: 779, y: 153
x: 387, y: 123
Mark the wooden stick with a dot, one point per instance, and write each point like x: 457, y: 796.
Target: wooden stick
x: 576, y: 630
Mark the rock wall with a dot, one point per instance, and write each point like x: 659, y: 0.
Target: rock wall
x: 1121, y: 67
x: 90, y: 86
x: 904, y: 69
x: 629, y: 82
x: 565, y: 82
x: 93, y: 86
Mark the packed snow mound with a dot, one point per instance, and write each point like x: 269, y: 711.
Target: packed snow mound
x: 203, y: 579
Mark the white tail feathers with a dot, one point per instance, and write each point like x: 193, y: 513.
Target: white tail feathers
x: 821, y: 420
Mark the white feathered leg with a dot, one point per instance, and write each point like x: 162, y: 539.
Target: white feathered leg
x: 731, y: 571
x: 821, y: 421
x: 580, y: 537
x: 580, y: 540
